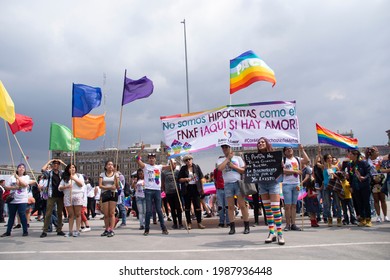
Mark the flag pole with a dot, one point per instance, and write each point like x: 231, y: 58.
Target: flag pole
x: 120, y: 121
x: 185, y: 52
x: 25, y: 158
x: 9, y: 145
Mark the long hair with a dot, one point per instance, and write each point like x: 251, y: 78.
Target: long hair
x: 267, y: 144
x: 66, y: 174
x: 138, y: 173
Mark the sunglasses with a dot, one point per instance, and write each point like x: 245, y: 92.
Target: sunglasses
x: 188, y: 159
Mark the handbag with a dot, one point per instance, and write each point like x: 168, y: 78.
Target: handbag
x: 106, y: 196
x: 9, y: 197
x: 247, y: 188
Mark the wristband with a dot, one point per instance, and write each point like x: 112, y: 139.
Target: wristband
x: 137, y: 157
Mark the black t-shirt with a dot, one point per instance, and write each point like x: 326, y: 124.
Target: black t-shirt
x: 55, y: 182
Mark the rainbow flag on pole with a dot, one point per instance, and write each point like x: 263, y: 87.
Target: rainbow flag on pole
x: 247, y: 69
x: 328, y: 137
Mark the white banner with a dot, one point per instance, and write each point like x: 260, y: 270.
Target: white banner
x: 236, y: 125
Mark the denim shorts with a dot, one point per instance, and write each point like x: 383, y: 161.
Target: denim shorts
x: 232, y: 189
x: 269, y: 188
x: 290, y: 193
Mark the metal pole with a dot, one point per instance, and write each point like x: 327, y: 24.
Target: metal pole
x: 185, y: 50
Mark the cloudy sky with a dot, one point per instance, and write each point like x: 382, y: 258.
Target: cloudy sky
x: 332, y: 57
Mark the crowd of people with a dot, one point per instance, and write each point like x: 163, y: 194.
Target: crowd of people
x: 353, y: 192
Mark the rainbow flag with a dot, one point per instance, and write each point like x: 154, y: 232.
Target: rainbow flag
x: 247, y: 69
x: 328, y: 137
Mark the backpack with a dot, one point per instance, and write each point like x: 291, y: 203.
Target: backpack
x: 127, y: 189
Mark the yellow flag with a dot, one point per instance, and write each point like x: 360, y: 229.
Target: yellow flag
x: 89, y: 127
x: 7, y: 107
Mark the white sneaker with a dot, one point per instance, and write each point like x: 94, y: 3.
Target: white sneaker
x: 85, y: 229
x: 378, y: 219
x: 67, y: 234
x: 76, y: 234
x: 387, y: 219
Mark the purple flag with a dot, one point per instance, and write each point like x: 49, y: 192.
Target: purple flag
x: 136, y: 89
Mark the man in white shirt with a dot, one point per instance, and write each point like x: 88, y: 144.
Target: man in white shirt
x: 232, y: 167
x: 152, y: 173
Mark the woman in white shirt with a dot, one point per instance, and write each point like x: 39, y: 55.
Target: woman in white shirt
x: 18, y: 185
x: 72, y: 185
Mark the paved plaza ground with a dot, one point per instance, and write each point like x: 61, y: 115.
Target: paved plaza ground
x: 213, y: 243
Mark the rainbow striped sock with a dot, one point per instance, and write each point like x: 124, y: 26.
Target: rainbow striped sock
x: 275, y: 206
x: 269, y: 215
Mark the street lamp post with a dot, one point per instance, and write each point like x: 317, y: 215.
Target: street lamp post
x: 185, y: 50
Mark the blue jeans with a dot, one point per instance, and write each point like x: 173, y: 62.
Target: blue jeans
x: 222, y: 207
x: 122, y: 211
x: 21, y: 209
x: 328, y: 203
x: 290, y: 193
x: 153, y: 197
x: 141, y: 206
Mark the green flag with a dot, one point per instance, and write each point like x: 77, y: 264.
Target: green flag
x: 61, y: 139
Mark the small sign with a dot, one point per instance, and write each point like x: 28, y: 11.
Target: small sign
x: 263, y: 167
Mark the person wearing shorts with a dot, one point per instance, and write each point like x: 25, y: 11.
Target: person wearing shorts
x: 291, y: 183
x: 270, y: 196
x: 72, y: 185
x: 232, y: 167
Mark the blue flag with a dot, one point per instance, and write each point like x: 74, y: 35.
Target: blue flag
x: 84, y: 99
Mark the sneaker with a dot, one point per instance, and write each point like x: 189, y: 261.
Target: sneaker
x: 86, y: 229
x: 110, y: 234
x: 189, y: 226
x: 200, y: 226
x: 146, y: 232
x: 378, y: 219
x: 105, y: 233
x: 5, y: 234
x: 221, y: 225
x: 294, y: 227
x: 387, y: 219
x: 76, y: 234
x: 175, y: 227
x: 25, y: 234
x: 169, y: 219
x: 61, y: 233
x: 43, y: 234
x: 17, y: 226
x: 165, y: 231
x: 287, y: 228
x: 67, y: 234
x: 368, y: 223
x: 181, y: 227
x: 271, y: 238
x: 281, y: 240
x: 122, y: 225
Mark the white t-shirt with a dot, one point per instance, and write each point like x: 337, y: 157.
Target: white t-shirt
x: 108, y: 181
x: 231, y: 175
x: 75, y: 188
x: 152, y: 176
x: 20, y: 195
x: 291, y: 164
x: 90, y: 190
x: 139, y: 188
